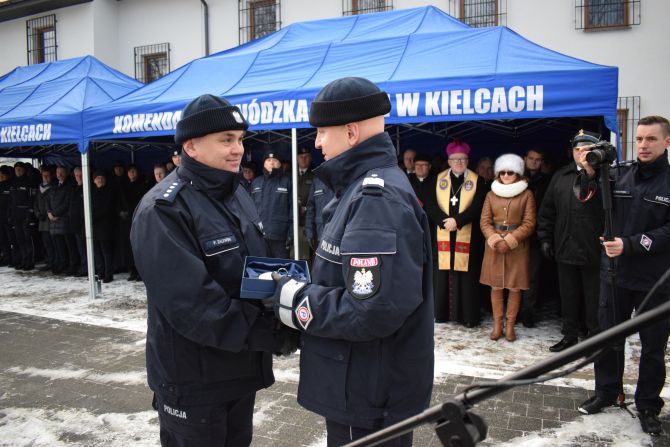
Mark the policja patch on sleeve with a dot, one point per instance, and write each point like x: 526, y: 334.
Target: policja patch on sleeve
x: 364, y: 277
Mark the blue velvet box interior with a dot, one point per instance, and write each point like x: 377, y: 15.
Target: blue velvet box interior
x: 255, y: 288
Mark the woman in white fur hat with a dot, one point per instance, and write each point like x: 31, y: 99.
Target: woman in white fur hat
x: 508, y: 220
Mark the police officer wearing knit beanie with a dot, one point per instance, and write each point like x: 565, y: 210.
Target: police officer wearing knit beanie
x: 208, y: 351
x: 370, y: 290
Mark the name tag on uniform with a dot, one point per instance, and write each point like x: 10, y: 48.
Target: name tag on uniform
x: 219, y: 244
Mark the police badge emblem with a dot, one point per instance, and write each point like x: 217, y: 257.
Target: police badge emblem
x: 443, y: 183
x: 237, y: 116
x: 468, y: 185
x: 364, y: 278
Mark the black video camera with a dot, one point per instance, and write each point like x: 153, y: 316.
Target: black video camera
x: 601, y: 153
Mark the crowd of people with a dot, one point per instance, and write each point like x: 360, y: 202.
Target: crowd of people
x: 42, y: 217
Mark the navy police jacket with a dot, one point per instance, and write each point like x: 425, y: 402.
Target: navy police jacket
x: 319, y: 196
x: 641, y: 206
x: 367, y: 354
x: 190, y: 235
x: 272, y: 195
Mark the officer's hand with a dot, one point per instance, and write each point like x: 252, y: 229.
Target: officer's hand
x: 547, y: 250
x: 286, y: 340
x: 613, y: 248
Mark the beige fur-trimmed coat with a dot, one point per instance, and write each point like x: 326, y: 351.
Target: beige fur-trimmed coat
x: 507, y: 270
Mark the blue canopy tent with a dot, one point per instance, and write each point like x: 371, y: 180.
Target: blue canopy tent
x: 41, y: 110
x: 435, y: 69
x: 42, y: 104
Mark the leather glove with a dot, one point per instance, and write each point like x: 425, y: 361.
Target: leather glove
x: 286, y: 340
x: 547, y: 250
x: 290, y: 288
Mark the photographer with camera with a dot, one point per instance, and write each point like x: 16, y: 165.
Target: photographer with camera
x: 568, y: 230
x: 640, y: 247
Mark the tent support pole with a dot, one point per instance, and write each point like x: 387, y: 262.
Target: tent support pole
x: 88, y: 224
x: 294, y: 168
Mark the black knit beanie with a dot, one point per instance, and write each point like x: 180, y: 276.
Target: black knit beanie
x: 348, y: 100
x: 208, y: 114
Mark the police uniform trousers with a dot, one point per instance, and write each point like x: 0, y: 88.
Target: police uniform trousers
x: 229, y: 424
x: 579, y: 286
x: 609, y: 367
x: 340, y: 434
x: 24, y: 241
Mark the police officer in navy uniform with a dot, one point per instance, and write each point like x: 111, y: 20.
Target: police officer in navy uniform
x: 22, y: 194
x: 367, y: 317
x: 319, y: 196
x: 641, y: 249
x: 7, y: 255
x: 208, y: 351
x: 271, y: 193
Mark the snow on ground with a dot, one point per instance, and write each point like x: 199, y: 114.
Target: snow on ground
x: 36, y: 427
x: 458, y: 350
x: 122, y: 305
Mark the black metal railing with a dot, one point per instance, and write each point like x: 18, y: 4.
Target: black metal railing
x: 628, y: 114
x: 258, y: 18
x: 152, y: 62
x: 606, y: 14
x: 479, y: 13
x: 355, y: 7
x: 41, y: 35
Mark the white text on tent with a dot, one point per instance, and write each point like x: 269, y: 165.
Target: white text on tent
x: 23, y: 134
x: 146, y: 122
x: 468, y: 102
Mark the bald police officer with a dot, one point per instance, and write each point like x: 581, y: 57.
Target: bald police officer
x: 208, y: 351
x: 367, y: 317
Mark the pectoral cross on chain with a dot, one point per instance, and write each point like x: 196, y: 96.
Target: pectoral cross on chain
x: 454, y: 200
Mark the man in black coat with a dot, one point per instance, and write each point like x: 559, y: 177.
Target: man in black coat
x: 76, y: 219
x: 45, y: 188
x: 133, y: 192
x: 568, y: 230
x: 208, y: 351
x: 59, y: 215
x: 538, y: 182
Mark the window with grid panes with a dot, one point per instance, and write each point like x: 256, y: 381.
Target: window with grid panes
x: 41, y: 35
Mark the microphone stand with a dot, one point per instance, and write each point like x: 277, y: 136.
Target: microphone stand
x: 456, y: 426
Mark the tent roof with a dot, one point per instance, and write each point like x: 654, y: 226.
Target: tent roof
x: 434, y: 67
x: 54, y: 94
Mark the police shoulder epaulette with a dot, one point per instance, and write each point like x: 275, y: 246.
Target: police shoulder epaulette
x: 627, y: 163
x: 170, y: 191
x: 373, y: 184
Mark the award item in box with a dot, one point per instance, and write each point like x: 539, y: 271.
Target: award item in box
x: 257, y: 282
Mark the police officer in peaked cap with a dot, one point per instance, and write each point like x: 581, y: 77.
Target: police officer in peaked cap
x: 367, y: 317
x: 208, y: 351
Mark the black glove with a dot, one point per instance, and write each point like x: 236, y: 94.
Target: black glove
x: 547, y: 250
x: 286, y: 340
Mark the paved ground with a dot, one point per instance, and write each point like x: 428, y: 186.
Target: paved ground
x: 58, y: 366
